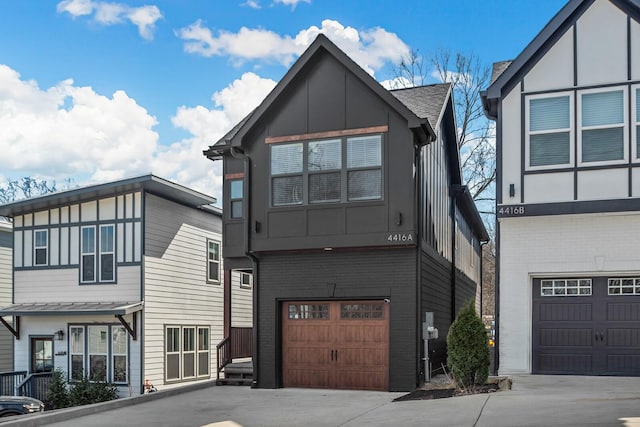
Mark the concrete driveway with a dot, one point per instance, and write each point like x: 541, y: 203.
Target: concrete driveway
x: 535, y: 400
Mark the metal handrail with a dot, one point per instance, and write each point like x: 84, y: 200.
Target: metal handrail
x: 9, y: 382
x: 35, y: 385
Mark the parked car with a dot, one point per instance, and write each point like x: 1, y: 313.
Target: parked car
x: 18, y: 405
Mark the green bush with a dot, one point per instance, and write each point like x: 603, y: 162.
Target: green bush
x: 468, y: 350
x: 57, y: 393
x: 84, y: 391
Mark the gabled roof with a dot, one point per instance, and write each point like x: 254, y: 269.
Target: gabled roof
x: 567, y: 16
x: 234, y: 137
x: 151, y: 183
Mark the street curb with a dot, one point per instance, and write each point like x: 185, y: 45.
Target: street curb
x: 59, y: 415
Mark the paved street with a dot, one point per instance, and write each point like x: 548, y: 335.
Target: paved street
x: 533, y: 401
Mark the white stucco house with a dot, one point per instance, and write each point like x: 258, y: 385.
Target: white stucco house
x: 122, y: 280
x: 568, y: 194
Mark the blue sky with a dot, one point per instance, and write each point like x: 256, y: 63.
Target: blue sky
x: 99, y: 90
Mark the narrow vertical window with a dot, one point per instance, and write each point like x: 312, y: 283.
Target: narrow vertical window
x: 76, y: 351
x: 88, y: 255
x: 40, y: 247
x: 637, y: 123
x: 287, y: 174
x: 236, y: 198
x: 324, y: 163
x: 203, y: 352
x: 364, y: 168
x: 107, y: 253
x: 549, y: 131
x: 119, y: 354
x: 213, y: 261
x: 172, y: 353
x: 98, y: 352
x: 602, y: 126
x: 188, y: 352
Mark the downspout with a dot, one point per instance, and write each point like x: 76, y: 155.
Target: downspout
x: 454, y: 202
x: 418, y: 223
x: 239, y: 154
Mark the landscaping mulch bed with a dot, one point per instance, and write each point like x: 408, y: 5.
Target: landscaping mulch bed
x: 440, y: 393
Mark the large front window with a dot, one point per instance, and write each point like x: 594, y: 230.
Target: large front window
x: 187, y: 352
x: 327, y: 171
x: 99, y: 352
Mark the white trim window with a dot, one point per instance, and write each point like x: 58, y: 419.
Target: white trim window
x: 213, y: 261
x: 549, y: 122
x: 624, y: 286
x: 88, y: 254
x: 566, y: 288
x: 41, y: 247
x: 602, y: 136
x: 102, y: 355
x: 246, y: 280
x: 107, y: 253
x: 187, y: 355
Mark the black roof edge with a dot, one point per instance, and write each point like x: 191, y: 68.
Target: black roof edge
x: 470, y: 211
x: 149, y: 183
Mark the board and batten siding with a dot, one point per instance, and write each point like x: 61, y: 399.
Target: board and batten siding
x: 176, y: 290
x: 6, y: 339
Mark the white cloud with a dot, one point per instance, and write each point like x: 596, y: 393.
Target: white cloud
x: 106, y: 13
x: 67, y: 131
x: 371, y: 48
x: 253, y: 4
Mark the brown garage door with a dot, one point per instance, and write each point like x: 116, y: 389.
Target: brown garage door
x: 337, y: 344
x: 588, y: 326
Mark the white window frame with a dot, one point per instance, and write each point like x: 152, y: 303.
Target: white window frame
x: 181, y: 352
x: 74, y: 352
x: 555, y: 286
x: 625, y: 126
x: 116, y: 330
x: 112, y: 252
x: 100, y: 329
x: 248, y: 283
x: 635, y: 121
x: 85, y: 352
x: 634, y: 285
x: 216, y: 261
x: 570, y: 129
x: 36, y: 248
x: 203, y: 349
x: 83, y: 254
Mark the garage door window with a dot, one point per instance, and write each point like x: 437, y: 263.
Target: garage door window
x: 308, y: 311
x: 565, y: 287
x: 361, y: 311
x: 626, y: 286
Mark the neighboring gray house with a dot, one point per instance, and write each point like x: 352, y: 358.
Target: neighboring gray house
x: 6, y: 339
x: 123, y: 280
x: 568, y: 194
x: 345, y: 201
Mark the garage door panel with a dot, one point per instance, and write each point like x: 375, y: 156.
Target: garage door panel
x: 623, y: 364
x: 363, y: 380
x: 566, y: 337
x: 302, y: 333
x: 623, y: 337
x: 316, y: 378
x: 556, y: 363
x: 626, y: 312
x: 565, y: 312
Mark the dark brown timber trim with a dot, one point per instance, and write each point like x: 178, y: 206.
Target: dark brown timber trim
x: 328, y: 134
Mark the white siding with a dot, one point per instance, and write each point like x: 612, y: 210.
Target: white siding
x: 74, y: 245
x: 27, y: 248
x: 549, y: 187
x: 17, y: 249
x: 64, y: 246
x: 107, y: 208
x: 602, y: 44
x: 603, y: 184
x: 559, y: 246
x: 176, y: 292
x: 62, y: 285
x: 555, y: 69
x: 241, y: 303
x: 511, y: 147
x: 89, y: 211
x: 6, y: 339
x: 41, y: 218
x: 54, y: 246
x: 635, y: 49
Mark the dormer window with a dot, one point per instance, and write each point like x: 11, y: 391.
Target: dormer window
x: 327, y: 171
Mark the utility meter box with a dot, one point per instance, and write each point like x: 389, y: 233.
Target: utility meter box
x: 429, y: 332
